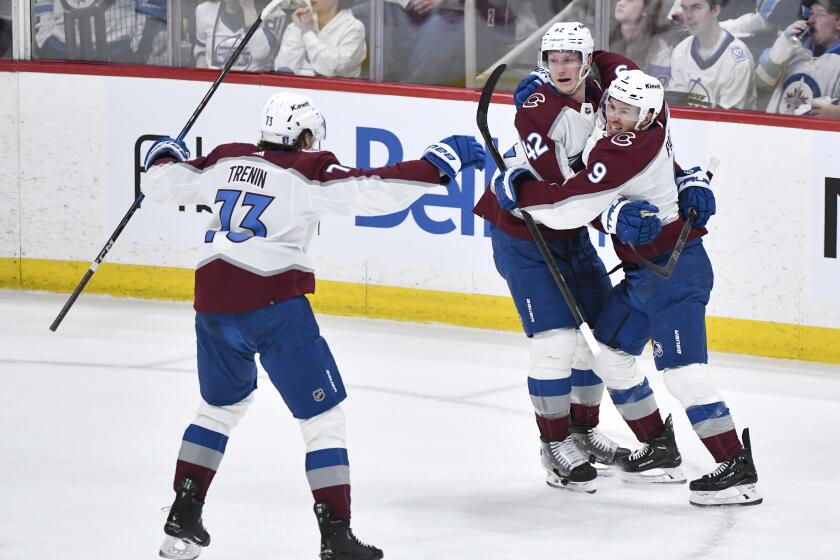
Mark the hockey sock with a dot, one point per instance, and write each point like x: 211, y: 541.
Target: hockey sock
x: 587, y: 391
x: 328, y: 472
x: 550, y: 398
x: 200, y: 455
x: 715, y: 428
x: 638, y: 407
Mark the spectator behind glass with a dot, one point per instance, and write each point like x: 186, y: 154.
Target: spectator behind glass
x: 332, y: 43
x: 805, y: 75
x: 220, y: 25
x: 124, y: 27
x: 710, y: 68
x: 636, y: 34
x: 5, y: 28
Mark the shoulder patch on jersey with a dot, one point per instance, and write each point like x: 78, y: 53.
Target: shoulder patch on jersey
x: 738, y: 53
x: 534, y: 100
x: 624, y: 139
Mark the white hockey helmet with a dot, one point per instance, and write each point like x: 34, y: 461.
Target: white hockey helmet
x: 636, y: 88
x: 286, y: 115
x: 568, y: 36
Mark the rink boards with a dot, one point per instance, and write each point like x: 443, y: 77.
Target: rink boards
x: 70, y: 146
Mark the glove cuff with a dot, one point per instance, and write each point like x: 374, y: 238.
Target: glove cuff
x: 443, y: 154
x: 609, y: 217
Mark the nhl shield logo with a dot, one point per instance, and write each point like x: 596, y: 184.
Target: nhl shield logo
x: 657, y: 349
x: 319, y: 395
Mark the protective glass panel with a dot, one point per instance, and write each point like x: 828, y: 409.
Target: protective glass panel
x: 5, y: 28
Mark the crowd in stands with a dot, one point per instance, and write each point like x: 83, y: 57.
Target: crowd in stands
x: 779, y: 56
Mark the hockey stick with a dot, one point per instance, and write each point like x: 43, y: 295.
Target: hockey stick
x: 481, y: 121
x: 666, y: 271
x: 111, y: 240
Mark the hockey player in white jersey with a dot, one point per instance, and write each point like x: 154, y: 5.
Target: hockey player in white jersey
x: 250, y: 288
x: 804, y: 76
x: 711, y: 68
x: 630, y: 170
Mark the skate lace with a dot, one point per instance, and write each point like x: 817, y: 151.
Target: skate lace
x: 719, y: 470
x: 639, y: 453
x: 567, y: 453
x: 600, y: 441
x: 356, y: 540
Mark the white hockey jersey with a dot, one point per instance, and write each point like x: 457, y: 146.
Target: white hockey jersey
x: 217, y: 33
x: 724, y: 79
x: 801, y: 80
x: 267, y: 205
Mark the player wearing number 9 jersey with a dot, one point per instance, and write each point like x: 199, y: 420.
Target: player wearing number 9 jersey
x: 553, y: 124
x: 250, y: 287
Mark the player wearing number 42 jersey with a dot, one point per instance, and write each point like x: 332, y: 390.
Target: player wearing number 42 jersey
x: 630, y: 174
x: 555, y: 115
x: 250, y: 288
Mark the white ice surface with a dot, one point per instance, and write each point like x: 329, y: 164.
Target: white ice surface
x: 443, y: 448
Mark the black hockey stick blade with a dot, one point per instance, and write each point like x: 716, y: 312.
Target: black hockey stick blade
x: 481, y: 114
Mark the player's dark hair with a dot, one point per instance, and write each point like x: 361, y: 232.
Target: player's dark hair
x: 296, y: 147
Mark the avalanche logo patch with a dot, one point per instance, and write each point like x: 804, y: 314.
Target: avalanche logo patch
x: 534, y: 100
x: 319, y: 395
x: 624, y: 139
x: 657, y: 349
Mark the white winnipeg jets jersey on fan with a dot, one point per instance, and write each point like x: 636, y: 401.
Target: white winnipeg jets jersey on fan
x: 725, y: 78
x: 217, y: 34
x: 807, y: 78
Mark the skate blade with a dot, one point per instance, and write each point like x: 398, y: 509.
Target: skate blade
x: 741, y: 495
x: 606, y: 471
x: 656, y: 476
x: 562, y: 483
x: 178, y: 549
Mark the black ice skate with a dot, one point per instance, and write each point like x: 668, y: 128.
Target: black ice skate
x: 657, y: 462
x: 731, y: 484
x: 565, y: 466
x: 338, y: 541
x: 597, y: 447
x: 185, y: 534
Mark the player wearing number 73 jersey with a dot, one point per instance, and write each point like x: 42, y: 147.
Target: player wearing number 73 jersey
x: 250, y: 287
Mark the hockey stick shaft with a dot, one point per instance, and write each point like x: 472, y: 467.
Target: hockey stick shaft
x: 666, y: 271
x: 481, y: 121
x: 184, y: 131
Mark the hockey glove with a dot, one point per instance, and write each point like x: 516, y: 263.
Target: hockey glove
x: 506, y: 184
x: 694, y: 192
x: 454, y: 154
x: 625, y: 219
x: 166, y: 147
x: 529, y: 85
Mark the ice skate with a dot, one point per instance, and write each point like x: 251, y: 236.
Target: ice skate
x: 565, y: 466
x: 657, y: 462
x: 338, y: 541
x: 600, y: 450
x: 185, y: 534
x: 733, y: 483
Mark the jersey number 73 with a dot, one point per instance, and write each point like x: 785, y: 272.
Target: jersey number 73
x: 229, y: 198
